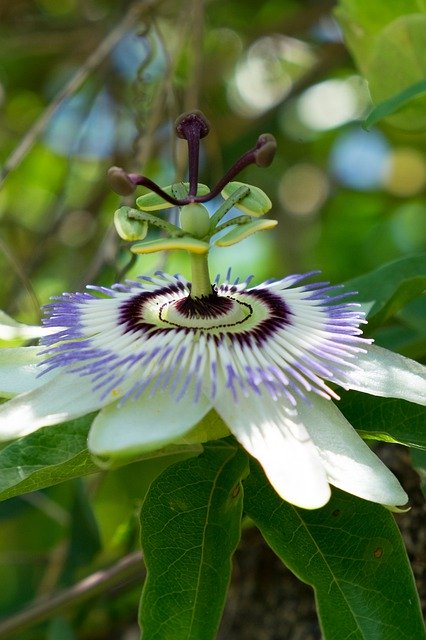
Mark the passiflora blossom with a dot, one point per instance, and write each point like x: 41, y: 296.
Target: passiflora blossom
x: 157, y: 355
x: 156, y: 361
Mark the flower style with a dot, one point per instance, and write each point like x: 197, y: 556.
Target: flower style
x: 155, y: 356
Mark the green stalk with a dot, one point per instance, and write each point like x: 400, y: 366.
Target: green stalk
x: 201, y: 284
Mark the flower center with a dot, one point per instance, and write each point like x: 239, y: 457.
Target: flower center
x: 211, y: 313
x: 208, y: 313
x: 227, y: 310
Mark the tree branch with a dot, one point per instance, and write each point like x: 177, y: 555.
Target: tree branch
x: 125, y: 570
x: 136, y: 10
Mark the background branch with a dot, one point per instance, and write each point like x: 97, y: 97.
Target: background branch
x: 135, y: 11
x: 126, y: 570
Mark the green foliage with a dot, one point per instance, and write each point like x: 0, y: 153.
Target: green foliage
x: 351, y: 552
x: 386, y: 290
x: 395, y: 103
x: 385, y: 419
x: 388, y: 42
x: 46, y: 457
x: 190, y: 527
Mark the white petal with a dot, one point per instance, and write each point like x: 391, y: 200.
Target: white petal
x: 19, y: 371
x: 282, y: 446
x: 388, y: 374
x: 350, y: 464
x: 144, y: 424
x: 63, y: 398
x: 10, y: 329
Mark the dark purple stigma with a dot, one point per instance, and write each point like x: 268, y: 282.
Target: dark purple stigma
x: 192, y: 127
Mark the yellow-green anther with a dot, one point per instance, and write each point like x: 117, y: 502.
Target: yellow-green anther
x: 230, y: 223
x: 153, y: 202
x: 168, y: 244
x: 255, y: 203
x: 195, y: 220
x: 127, y: 228
x: 241, y: 232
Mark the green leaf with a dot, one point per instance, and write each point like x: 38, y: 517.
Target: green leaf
x: 386, y: 290
x: 190, y: 526
x: 388, y: 41
x: 46, y: 457
x: 363, y: 21
x: 393, y: 104
x: 60, y: 627
x: 398, y: 62
x: 352, y: 554
x: 385, y: 419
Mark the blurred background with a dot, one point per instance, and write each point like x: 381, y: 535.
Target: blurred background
x: 86, y: 84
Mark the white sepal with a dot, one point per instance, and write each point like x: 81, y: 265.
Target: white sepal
x: 62, y: 398
x: 349, y: 462
x: 282, y: 446
x: 19, y: 371
x: 381, y: 372
x: 144, y: 424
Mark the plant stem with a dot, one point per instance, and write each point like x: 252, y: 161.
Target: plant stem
x: 201, y: 283
x: 126, y: 569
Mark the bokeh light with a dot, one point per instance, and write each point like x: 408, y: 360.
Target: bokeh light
x: 303, y: 189
x: 408, y: 227
x: 332, y: 103
x: 359, y: 159
x: 267, y: 73
x: 406, y: 172
x: 79, y: 128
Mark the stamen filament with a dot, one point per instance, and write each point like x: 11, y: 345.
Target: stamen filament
x: 238, y: 195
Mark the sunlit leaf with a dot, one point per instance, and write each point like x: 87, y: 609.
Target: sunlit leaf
x: 388, y: 41
x: 393, y: 104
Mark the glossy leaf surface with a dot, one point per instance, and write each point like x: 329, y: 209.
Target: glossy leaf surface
x: 190, y: 526
x: 352, y: 554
